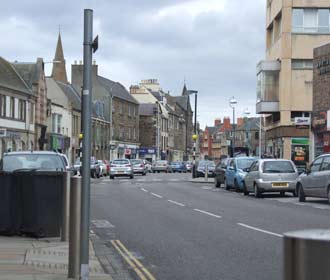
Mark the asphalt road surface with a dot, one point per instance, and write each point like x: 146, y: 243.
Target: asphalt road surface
x: 161, y: 226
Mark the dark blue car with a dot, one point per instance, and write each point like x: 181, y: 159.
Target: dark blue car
x: 178, y: 166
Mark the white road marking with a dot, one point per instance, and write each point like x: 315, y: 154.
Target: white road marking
x: 207, y: 213
x: 142, y: 189
x: 177, y: 203
x: 260, y: 230
x: 102, y: 224
x: 156, y: 195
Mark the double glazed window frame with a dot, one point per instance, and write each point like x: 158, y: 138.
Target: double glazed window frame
x: 307, y: 20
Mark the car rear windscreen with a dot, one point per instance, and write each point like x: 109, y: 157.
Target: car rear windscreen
x: 278, y: 167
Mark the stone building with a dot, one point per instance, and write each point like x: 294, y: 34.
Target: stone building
x: 17, y: 110
x: 321, y: 100
x: 115, y: 119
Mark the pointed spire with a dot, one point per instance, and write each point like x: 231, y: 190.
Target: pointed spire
x: 184, y: 91
x: 59, y: 71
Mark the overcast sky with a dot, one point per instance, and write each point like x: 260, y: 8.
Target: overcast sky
x: 212, y: 44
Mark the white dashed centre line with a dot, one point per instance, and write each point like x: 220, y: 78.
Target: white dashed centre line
x: 260, y: 230
x: 176, y: 203
x: 144, y: 190
x: 156, y: 195
x: 208, y: 213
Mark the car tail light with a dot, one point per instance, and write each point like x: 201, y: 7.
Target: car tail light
x: 128, y: 165
x: 142, y: 165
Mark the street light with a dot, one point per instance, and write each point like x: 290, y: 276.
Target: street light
x: 232, y: 104
x: 195, y: 136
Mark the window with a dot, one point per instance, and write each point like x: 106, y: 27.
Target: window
x: 302, y: 64
x: 326, y: 164
x: 311, y: 20
x: 316, y: 165
x: 2, y: 106
x: 56, y: 123
x: 21, y: 110
x: 134, y: 133
x: 12, y: 107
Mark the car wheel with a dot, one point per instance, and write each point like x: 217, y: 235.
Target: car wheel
x: 257, y: 192
x: 112, y: 177
x: 93, y: 174
x: 216, y: 183
x: 153, y: 171
x: 226, y: 185
x: 282, y: 194
x: 144, y: 173
x: 98, y: 175
x: 131, y: 177
x: 301, y: 194
x: 245, y: 191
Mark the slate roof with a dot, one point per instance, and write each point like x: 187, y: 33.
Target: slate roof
x: 72, y: 94
x: 30, y: 72
x: 250, y: 124
x: 183, y: 101
x: 117, y: 89
x: 147, y: 109
x: 10, y: 78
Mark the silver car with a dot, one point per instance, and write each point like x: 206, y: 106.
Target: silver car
x: 271, y: 175
x: 315, y: 182
x: 139, y: 167
x: 121, y: 167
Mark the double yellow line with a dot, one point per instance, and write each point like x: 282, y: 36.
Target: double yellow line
x: 138, y: 267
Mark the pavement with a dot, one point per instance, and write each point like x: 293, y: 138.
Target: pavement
x: 40, y: 259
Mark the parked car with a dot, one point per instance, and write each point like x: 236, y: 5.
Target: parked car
x: 189, y: 166
x: 315, y: 182
x: 103, y: 167
x: 147, y: 165
x: 161, y: 166
x: 121, y: 167
x: 271, y: 175
x: 178, y: 166
x: 202, y: 166
x: 139, y: 167
x: 94, y: 168
x: 236, y: 171
x: 32, y: 161
x: 220, y: 171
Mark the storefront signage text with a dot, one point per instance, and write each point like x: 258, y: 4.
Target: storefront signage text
x: 323, y: 66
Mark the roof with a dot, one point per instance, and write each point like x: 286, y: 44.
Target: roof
x: 249, y: 124
x: 30, y: 72
x: 183, y: 101
x: 10, y: 78
x: 72, y: 94
x: 117, y: 89
x: 147, y: 109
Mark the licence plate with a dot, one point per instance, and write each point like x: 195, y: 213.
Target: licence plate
x: 280, y: 185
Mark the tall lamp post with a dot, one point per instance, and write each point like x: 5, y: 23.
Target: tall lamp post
x: 195, y: 136
x: 232, y: 104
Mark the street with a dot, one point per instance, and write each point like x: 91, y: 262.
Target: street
x: 162, y: 226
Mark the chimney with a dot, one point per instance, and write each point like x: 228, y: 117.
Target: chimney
x: 240, y: 121
x: 226, y: 123
x: 217, y: 122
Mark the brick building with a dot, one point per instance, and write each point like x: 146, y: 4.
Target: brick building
x: 321, y: 100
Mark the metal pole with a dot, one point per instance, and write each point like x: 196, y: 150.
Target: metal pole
x: 307, y: 254
x: 74, y: 233
x: 86, y: 101
x: 66, y: 207
x: 234, y: 130
x: 195, y: 132
x: 260, y: 130
x: 158, y: 132
x: 206, y: 173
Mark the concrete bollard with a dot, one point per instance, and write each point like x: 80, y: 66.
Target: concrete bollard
x: 307, y: 255
x: 66, y: 207
x: 74, y: 233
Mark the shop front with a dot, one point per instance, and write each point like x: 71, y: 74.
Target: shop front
x: 147, y: 153
x: 300, y: 152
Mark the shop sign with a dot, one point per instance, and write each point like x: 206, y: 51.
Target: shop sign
x: 302, y: 121
x: 323, y: 66
x: 300, y: 151
x: 128, y: 152
x: 147, y: 151
x: 320, y: 120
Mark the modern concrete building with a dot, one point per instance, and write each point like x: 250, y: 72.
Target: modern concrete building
x: 284, y: 93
